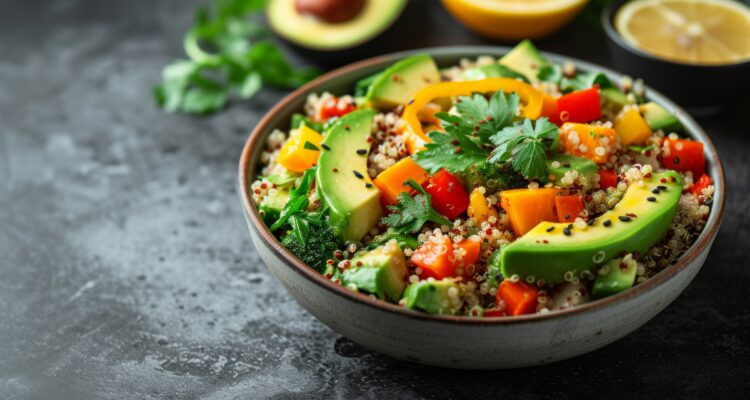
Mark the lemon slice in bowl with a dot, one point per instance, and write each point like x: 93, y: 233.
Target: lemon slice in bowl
x: 704, y: 32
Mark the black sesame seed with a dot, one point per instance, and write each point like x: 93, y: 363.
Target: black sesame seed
x: 567, y: 217
x: 325, y: 146
x: 566, y: 231
x: 607, y: 222
x: 362, y: 152
x: 624, y: 218
x: 550, y: 229
x: 368, y: 185
x: 566, y: 165
x: 591, y: 222
x: 651, y: 199
x: 662, y: 187
x: 499, y: 277
x: 656, y: 191
x: 570, y: 226
x: 358, y: 175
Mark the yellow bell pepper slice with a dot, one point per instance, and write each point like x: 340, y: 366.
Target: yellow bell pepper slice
x: 294, y: 156
x: 478, y: 207
x: 632, y: 128
x: 415, y: 138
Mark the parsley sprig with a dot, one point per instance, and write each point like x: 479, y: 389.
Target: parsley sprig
x: 411, y: 213
x: 295, y: 212
x: 468, y: 134
x: 241, y: 60
x: 526, y: 143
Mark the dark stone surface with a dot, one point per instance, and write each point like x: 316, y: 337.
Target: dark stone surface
x: 126, y: 270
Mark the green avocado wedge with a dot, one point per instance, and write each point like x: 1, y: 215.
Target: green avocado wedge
x: 434, y: 297
x: 637, y: 222
x: 402, y: 80
x: 342, y: 179
x: 381, y: 272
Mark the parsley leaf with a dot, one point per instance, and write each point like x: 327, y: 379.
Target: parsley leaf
x: 527, y: 144
x: 464, y: 141
x: 488, y: 117
x: 240, y: 62
x: 294, y: 210
x: 411, y: 213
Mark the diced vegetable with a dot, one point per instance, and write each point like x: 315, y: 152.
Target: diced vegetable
x: 448, y: 194
x: 392, y: 181
x: 335, y: 107
x: 632, y: 128
x: 471, y: 249
x: 528, y: 207
x: 595, y: 142
x: 478, y: 207
x: 702, y: 183
x: 435, y: 257
x: 301, y: 151
x: 684, y: 155
x: 415, y: 137
x: 607, y: 179
x: 569, y: 207
x: 580, y: 106
x: 519, y: 297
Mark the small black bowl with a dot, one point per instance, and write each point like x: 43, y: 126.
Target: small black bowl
x: 692, y: 86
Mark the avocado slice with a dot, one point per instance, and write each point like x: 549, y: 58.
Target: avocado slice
x: 432, y: 296
x: 614, y: 99
x: 272, y: 204
x: 637, y: 222
x: 315, y: 33
x: 658, y: 118
x: 526, y: 59
x: 342, y: 180
x: 559, y: 164
x: 399, y: 82
x: 620, y: 275
x: 381, y: 272
x: 492, y: 71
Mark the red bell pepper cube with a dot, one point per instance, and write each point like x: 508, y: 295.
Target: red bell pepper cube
x: 448, y: 194
x: 685, y: 155
x: 697, y: 188
x: 607, y: 179
x: 580, y: 106
x: 519, y: 297
x: 569, y: 207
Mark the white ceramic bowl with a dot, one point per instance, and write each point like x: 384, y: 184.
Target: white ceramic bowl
x: 463, y: 342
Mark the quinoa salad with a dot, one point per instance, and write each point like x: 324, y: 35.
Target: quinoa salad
x: 492, y: 188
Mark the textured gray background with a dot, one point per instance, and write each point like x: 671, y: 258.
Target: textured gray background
x: 126, y: 270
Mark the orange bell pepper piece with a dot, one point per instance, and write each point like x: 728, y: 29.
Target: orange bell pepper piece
x: 436, y: 258
x: 595, y: 142
x: 415, y: 137
x: 528, y: 207
x: 471, y: 249
x: 294, y: 156
x: 519, y: 297
x: 392, y: 181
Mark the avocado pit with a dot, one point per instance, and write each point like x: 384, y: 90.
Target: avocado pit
x: 330, y: 11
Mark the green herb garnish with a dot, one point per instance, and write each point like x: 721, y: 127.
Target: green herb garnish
x: 463, y: 142
x: 239, y: 63
x: 526, y: 143
x: 295, y: 210
x: 411, y: 213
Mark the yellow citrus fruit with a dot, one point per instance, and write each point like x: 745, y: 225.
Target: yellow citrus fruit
x: 707, y: 32
x: 514, y: 19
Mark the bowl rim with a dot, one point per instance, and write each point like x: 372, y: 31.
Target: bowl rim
x: 247, y: 164
x: 607, y: 16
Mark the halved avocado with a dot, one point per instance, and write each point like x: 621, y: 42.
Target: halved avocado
x: 315, y: 33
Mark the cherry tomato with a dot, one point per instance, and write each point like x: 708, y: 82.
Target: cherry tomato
x: 448, y: 194
x: 336, y: 107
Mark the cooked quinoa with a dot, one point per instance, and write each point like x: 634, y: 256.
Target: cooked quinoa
x: 477, y: 234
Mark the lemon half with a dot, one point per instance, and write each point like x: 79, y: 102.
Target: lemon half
x: 704, y: 32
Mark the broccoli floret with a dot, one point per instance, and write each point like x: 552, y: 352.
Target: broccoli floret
x: 404, y: 240
x: 320, y: 245
x: 494, y: 177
